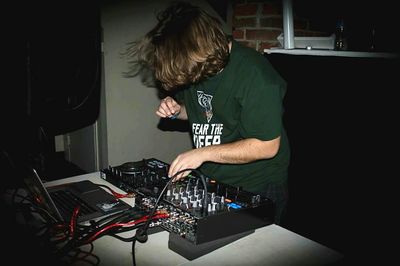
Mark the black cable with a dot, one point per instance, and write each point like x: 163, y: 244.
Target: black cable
x: 133, y: 251
x: 86, y: 254
x: 141, y: 233
x: 126, y: 215
x: 85, y: 232
x: 203, y: 180
x: 112, y: 231
x: 90, y: 92
x: 121, y: 230
x: 88, y: 231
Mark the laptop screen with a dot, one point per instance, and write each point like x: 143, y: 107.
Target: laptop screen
x: 60, y: 201
x: 41, y: 196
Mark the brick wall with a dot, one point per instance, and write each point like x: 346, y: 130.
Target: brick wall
x: 258, y: 23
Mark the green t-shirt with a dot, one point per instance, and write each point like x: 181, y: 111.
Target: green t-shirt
x: 243, y: 101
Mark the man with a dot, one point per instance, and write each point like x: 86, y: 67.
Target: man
x: 230, y: 94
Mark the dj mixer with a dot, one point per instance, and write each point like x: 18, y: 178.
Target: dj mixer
x: 202, y: 212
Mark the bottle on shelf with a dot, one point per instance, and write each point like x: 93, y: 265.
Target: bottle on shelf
x: 372, y: 45
x: 340, y: 36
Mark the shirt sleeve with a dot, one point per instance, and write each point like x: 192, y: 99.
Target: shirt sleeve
x: 262, y: 106
x: 179, y: 96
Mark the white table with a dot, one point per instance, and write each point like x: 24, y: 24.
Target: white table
x: 270, y: 245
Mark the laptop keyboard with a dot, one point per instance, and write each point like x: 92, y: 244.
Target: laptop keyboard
x: 66, y: 202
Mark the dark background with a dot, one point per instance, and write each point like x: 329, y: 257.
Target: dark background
x: 360, y: 17
x: 51, y: 83
x: 340, y: 112
x: 340, y: 115
x: 53, y: 58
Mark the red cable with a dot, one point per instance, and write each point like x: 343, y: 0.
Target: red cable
x: 72, y: 223
x: 116, y: 194
x: 132, y: 223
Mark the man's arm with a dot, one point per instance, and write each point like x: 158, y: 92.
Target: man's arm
x: 242, y: 151
x: 238, y: 152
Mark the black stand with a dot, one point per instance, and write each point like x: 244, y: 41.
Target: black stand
x: 191, y: 251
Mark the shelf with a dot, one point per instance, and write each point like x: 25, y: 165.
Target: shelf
x: 330, y: 53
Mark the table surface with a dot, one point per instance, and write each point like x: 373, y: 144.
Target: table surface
x: 269, y: 245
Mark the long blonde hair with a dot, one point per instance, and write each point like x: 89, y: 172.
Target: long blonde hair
x: 186, y: 46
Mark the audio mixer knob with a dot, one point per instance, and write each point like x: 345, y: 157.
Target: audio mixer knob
x: 168, y: 193
x: 185, y: 200
x: 162, y: 170
x: 177, y: 196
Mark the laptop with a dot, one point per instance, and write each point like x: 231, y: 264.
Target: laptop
x: 61, y: 200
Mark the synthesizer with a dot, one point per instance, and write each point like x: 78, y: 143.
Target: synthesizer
x: 197, y: 214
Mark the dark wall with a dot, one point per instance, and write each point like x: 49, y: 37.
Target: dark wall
x: 340, y: 115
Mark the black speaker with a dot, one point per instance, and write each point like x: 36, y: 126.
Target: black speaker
x: 63, y: 66
x: 51, y: 78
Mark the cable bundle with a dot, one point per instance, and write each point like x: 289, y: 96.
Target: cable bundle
x: 66, y: 239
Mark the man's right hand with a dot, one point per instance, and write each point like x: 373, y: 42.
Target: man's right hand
x: 169, y: 108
